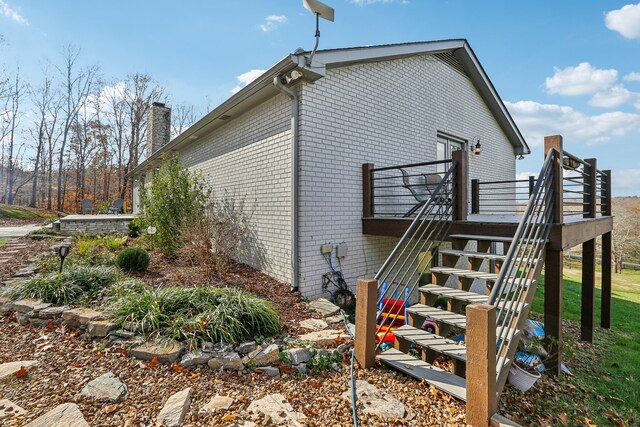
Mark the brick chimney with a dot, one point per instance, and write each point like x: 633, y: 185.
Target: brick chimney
x: 159, y: 127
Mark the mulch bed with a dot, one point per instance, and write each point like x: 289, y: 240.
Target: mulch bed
x: 33, y: 249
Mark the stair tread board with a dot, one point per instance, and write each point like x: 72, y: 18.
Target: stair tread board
x: 419, y: 369
x: 453, y: 293
x: 473, y: 254
x: 431, y: 341
x: 472, y: 274
x: 443, y: 316
x: 482, y: 238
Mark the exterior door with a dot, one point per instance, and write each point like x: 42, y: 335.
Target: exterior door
x: 444, y: 150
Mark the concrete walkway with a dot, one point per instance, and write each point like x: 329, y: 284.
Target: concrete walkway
x: 18, y: 231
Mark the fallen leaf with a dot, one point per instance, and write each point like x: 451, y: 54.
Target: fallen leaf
x: 564, y: 419
x: 153, y: 363
x: 109, y: 409
x: 196, y: 377
x: 175, y: 367
x: 21, y: 372
x: 230, y: 417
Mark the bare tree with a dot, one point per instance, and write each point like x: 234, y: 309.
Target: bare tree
x: 182, y: 116
x: 16, y: 92
x: 626, y: 231
x: 76, y: 87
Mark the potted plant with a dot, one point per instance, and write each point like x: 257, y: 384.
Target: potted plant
x: 527, y: 365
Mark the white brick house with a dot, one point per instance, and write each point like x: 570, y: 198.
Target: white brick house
x: 292, y: 143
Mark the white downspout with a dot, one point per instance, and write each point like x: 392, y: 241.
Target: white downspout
x: 295, y: 108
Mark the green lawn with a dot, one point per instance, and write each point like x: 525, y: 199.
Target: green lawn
x: 18, y: 212
x: 606, y: 385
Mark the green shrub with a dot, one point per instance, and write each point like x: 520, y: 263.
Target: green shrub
x: 49, y: 288
x: 175, y: 195
x: 194, y: 314
x: 136, y: 226
x: 47, y: 231
x: 133, y: 259
x: 113, y: 243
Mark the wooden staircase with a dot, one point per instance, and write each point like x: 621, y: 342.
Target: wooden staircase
x: 472, y: 264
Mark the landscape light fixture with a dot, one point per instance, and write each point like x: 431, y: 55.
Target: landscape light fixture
x: 151, y: 230
x: 63, y: 251
x: 477, y: 149
x: 321, y: 10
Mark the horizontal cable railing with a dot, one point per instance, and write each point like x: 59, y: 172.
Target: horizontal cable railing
x: 401, y: 191
x: 501, y: 197
x: 399, y: 276
x: 514, y: 286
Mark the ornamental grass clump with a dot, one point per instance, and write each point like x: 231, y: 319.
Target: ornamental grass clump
x: 133, y: 259
x: 198, y: 314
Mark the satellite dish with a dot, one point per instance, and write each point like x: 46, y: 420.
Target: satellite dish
x: 318, y: 8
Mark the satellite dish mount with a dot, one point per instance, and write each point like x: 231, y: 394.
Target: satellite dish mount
x: 320, y: 10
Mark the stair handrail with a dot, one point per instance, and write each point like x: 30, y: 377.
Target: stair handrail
x: 431, y: 228
x: 514, y: 286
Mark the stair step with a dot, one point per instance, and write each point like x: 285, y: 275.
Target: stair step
x: 480, y: 237
x: 433, y: 342
x: 447, y: 317
x: 457, y: 294
x: 469, y: 274
x: 421, y: 370
x: 473, y: 254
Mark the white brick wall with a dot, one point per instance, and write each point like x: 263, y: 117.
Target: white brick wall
x: 386, y: 113
x: 250, y: 159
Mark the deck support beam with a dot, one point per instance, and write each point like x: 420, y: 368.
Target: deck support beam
x: 587, y: 312
x: 482, y: 400
x: 366, y: 313
x: 460, y: 184
x: 605, y: 301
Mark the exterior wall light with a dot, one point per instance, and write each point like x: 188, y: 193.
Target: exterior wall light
x: 477, y: 149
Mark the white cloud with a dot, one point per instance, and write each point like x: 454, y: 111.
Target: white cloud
x: 581, y: 80
x: 613, y: 97
x: 632, y: 77
x: 537, y: 120
x: 625, y: 21
x: 12, y: 14
x: 272, y: 22
x: 246, y: 78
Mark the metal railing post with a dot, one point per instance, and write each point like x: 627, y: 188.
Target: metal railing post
x: 475, y: 196
x: 461, y: 176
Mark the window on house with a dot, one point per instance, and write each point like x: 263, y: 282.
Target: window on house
x: 446, y: 145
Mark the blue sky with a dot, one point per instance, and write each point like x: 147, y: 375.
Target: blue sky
x: 569, y: 67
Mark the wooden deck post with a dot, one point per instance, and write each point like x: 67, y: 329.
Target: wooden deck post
x: 588, y: 296
x: 553, y: 266
x: 475, y: 196
x: 367, y: 188
x: 366, y: 312
x: 481, y: 364
x: 605, y: 302
x: 460, y: 184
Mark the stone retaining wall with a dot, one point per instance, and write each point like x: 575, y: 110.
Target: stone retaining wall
x: 96, y: 223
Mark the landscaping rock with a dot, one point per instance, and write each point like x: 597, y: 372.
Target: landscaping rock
x: 217, y: 349
x: 263, y: 356
x: 301, y: 368
x: 9, y: 410
x: 193, y: 358
x: 299, y: 355
x: 105, y: 387
x: 29, y: 305
x: 174, y: 411
x: 230, y: 361
x: 314, y: 324
x: 121, y: 333
x: 77, y: 317
x: 325, y: 307
x: 9, y: 370
x: 217, y: 403
x: 326, y: 337
x: 246, y: 347
x: 37, y: 322
x: 278, y: 409
x: 53, y: 312
x: 376, y: 402
x: 164, y: 351
x: 27, y: 271
x: 22, y: 319
x: 270, y: 371
x: 100, y: 328
x: 67, y: 415
x: 334, y: 319
x: 6, y: 305
x: 351, y: 329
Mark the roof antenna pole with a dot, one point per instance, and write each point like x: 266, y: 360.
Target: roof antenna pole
x: 320, y: 10
x: 310, y: 59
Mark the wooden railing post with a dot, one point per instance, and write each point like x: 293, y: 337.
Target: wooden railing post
x: 532, y: 184
x: 460, y: 184
x: 553, y: 264
x: 605, y: 302
x: 475, y: 196
x: 366, y: 313
x: 367, y: 190
x: 588, y: 295
x: 481, y: 364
